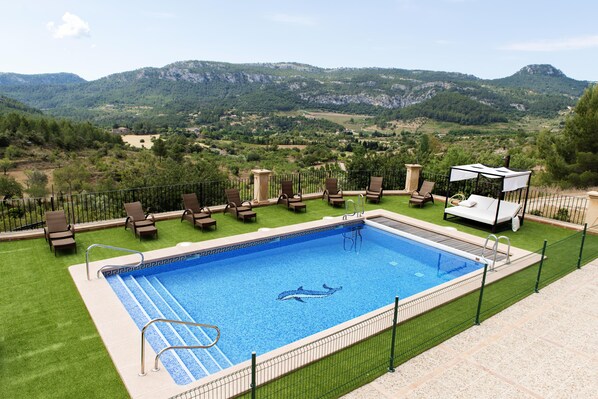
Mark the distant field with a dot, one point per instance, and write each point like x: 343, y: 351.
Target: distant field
x: 423, y: 125
x: 336, y: 117
x: 135, y: 140
x: 291, y: 146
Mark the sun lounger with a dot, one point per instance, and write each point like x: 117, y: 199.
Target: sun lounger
x: 374, y: 192
x: 140, y: 223
x: 241, y: 209
x: 423, y: 195
x: 332, y: 193
x: 57, y: 228
x: 195, y: 214
x: 290, y: 199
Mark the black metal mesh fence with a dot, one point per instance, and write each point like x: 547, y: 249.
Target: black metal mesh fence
x: 345, y: 360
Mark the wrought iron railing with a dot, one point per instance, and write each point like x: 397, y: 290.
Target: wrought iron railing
x: 28, y: 213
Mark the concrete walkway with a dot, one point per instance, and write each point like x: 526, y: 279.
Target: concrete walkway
x: 545, y: 346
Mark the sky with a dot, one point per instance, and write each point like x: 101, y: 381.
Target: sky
x: 486, y: 38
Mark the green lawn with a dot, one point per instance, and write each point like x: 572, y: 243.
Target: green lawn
x: 49, y: 346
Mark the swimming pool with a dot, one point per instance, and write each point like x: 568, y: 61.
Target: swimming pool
x: 268, y: 294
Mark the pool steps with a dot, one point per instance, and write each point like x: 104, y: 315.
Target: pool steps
x: 215, y: 350
x: 154, y: 336
x: 185, y: 334
x: 184, y: 365
x: 191, y: 363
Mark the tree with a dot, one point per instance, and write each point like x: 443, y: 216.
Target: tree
x: 71, y: 177
x: 37, y: 182
x: 9, y: 187
x: 572, y: 158
x: 159, y: 148
x: 5, y: 164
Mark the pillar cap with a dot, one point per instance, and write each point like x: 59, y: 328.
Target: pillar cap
x: 413, y: 165
x: 593, y: 194
x: 260, y: 171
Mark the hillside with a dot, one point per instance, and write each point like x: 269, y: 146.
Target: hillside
x: 10, y: 105
x: 9, y: 79
x: 543, y: 79
x: 178, y: 93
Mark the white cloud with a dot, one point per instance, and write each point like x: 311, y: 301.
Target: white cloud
x: 72, y: 26
x: 574, y: 43
x: 292, y: 19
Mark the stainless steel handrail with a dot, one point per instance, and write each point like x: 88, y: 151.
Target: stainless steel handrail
x: 190, y: 323
x: 508, y: 261
x: 347, y: 214
x: 495, y: 249
x: 111, y: 266
x: 361, y: 201
x: 360, y: 204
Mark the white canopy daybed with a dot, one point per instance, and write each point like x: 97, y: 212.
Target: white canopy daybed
x: 491, y: 211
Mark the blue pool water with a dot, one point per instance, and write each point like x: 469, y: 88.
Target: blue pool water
x: 265, y: 296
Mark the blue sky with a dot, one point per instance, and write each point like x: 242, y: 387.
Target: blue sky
x: 489, y: 39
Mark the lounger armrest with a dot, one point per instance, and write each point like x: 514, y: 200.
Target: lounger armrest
x: 71, y: 227
x: 299, y: 195
x: 282, y: 197
x: 186, y: 212
x: 151, y: 217
x: 325, y: 193
x: 248, y: 204
x: 207, y: 210
x: 418, y: 193
x: 128, y: 220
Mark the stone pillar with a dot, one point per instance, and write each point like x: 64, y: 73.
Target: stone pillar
x: 412, y: 180
x: 592, y: 211
x: 261, y: 178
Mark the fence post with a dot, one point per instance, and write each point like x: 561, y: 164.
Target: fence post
x: 253, y: 384
x: 583, y: 239
x: 477, y: 316
x: 391, y: 367
x: 540, y: 268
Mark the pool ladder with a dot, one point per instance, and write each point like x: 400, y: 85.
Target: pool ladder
x: 495, y: 249
x: 358, y: 208
x: 188, y: 323
x: 112, y: 267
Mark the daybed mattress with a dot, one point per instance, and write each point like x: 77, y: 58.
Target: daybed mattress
x: 485, y: 210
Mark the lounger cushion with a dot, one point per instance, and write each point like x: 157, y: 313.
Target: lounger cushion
x: 485, y: 210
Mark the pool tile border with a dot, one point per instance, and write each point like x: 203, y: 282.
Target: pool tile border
x: 228, y: 248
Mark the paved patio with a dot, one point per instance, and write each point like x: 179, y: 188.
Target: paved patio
x: 545, y: 346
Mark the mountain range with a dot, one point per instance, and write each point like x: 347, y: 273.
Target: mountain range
x: 176, y: 93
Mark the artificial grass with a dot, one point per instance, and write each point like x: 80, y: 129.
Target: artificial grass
x: 49, y: 346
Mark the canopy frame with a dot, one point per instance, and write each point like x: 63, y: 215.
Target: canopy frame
x: 474, y: 171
